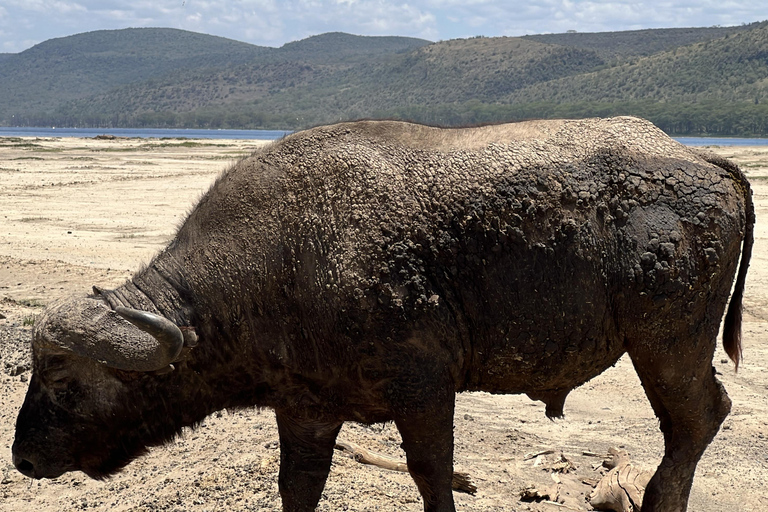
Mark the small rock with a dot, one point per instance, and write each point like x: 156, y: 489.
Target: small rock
x: 13, y: 372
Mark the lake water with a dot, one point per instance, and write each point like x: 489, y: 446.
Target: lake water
x: 725, y: 141
x: 143, y: 133
x: 146, y: 133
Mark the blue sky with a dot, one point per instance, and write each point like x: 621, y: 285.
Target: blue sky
x: 24, y: 23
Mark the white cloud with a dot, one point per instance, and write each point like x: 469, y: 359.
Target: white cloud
x: 15, y: 46
x: 591, y: 15
x: 269, y: 22
x: 438, y: 4
x: 194, y: 19
x: 46, y: 7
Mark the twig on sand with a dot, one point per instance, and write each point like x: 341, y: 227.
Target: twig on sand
x: 461, y: 481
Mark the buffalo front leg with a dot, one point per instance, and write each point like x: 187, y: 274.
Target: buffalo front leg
x: 690, y: 404
x: 306, y: 450
x: 428, y: 444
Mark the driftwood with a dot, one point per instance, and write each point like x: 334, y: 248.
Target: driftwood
x: 461, y: 481
x: 622, y: 488
x: 558, y: 466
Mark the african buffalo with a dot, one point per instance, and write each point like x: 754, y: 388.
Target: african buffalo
x: 370, y: 271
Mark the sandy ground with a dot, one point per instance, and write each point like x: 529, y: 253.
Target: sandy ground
x: 78, y: 212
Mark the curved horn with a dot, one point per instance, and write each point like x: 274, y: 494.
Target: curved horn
x: 126, y: 339
x: 163, y: 330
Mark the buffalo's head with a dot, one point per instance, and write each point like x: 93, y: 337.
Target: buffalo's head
x: 94, y: 371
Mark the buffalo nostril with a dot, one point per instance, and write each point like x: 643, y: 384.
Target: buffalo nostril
x: 24, y: 466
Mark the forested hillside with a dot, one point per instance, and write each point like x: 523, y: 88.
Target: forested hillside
x: 55, y: 71
x: 481, y: 69
x: 338, y: 46
x: 638, y: 42
x: 732, y: 68
x: 698, y: 80
x: 719, y: 87
x: 280, y: 92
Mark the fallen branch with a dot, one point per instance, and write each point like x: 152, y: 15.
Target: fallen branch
x: 623, y: 487
x: 461, y: 481
x: 533, y: 455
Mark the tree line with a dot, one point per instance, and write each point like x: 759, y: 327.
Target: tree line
x: 706, y: 118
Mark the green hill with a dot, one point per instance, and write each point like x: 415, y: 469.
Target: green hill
x: 638, y: 42
x: 708, y: 80
x: 338, y: 46
x: 58, y: 70
x: 456, y: 71
x: 732, y: 68
x: 224, y: 90
x: 717, y: 87
x: 317, y: 86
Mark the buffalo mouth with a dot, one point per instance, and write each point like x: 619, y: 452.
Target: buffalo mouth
x: 27, y: 467
x: 39, y: 472
x: 94, y: 466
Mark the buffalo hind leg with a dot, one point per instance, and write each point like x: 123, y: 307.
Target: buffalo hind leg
x: 306, y: 450
x: 691, y: 404
x: 428, y: 444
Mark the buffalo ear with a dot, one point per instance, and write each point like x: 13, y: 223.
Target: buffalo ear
x: 88, y: 327
x: 190, y: 336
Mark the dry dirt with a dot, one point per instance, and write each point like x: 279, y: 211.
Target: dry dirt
x: 78, y: 212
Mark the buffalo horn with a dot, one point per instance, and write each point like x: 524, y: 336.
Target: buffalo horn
x: 167, y: 334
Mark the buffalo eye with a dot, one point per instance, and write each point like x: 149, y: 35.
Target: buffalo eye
x: 58, y: 380
x: 55, y: 371
x: 56, y: 376
x: 68, y: 393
